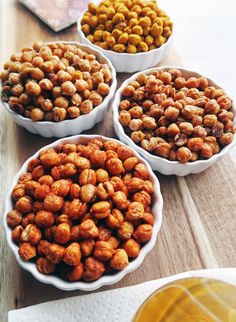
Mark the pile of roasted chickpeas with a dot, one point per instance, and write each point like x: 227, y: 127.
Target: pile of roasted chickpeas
x: 129, y: 26
x: 177, y: 118
x: 54, y: 82
x: 81, y: 211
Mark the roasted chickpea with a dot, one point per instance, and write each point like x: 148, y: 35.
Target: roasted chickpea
x: 126, y: 230
x: 55, y: 253
x: 226, y: 139
x: 14, y: 218
x: 27, y: 251
x: 88, y: 229
x: 93, y: 269
x: 195, y: 144
x: 143, y: 233
x: 119, y: 260
x: 44, y: 219
x: 114, y: 166
x: 132, y: 248
x: 53, y: 203
x: 18, y: 192
x: 75, y: 273
x: 103, y: 250
x: 44, y: 266
x: 24, y: 204
x: 62, y: 233
x: 184, y: 154
x: 76, y: 209
x: 72, y: 254
x: 87, y: 247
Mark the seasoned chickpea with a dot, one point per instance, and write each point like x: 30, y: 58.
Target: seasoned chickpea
x: 184, y: 154
x: 226, y: 139
x: 14, y: 218
x: 93, y: 269
x: 195, y: 144
x: 87, y: 247
x: 103, y: 250
x: 72, y: 254
x: 18, y: 191
x: 75, y: 273
x: 62, y: 233
x: 115, y: 166
x: 53, y: 203
x: 27, y: 251
x: 102, y: 175
x: 44, y: 266
x: 126, y: 230
x: 88, y: 229
x: 135, y: 184
x: 132, y: 248
x: 119, y: 260
x: 55, y: 253
x: 206, y: 151
x: 44, y: 219
x: 115, y: 219
x: 143, y: 233
x: 24, y: 204
x: 76, y: 209
x: 120, y: 200
x: 135, y: 211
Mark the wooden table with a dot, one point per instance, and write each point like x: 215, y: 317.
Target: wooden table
x: 199, y: 210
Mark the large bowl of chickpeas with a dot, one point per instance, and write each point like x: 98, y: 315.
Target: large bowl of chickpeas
x: 133, y: 34
x: 57, y: 88
x: 180, y: 121
x: 83, y: 212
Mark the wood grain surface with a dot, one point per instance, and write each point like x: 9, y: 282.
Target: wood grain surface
x: 199, y: 210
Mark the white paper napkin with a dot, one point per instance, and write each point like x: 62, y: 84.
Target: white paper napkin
x: 117, y: 305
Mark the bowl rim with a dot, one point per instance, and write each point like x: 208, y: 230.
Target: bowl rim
x: 83, y: 117
x: 123, y: 55
x: 148, y: 155
x: 106, y: 279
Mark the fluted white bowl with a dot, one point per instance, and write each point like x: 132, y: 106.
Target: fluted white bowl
x: 157, y: 206
x: 157, y: 163
x: 73, y: 126
x: 129, y: 63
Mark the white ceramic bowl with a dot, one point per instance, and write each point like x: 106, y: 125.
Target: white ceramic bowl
x: 106, y: 279
x: 157, y: 163
x: 129, y: 63
x: 73, y: 126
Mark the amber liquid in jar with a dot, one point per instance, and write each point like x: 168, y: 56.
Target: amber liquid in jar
x: 190, y: 300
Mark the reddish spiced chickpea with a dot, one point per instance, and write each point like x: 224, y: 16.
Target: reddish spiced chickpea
x: 84, y: 224
x: 50, y: 82
x: 174, y: 115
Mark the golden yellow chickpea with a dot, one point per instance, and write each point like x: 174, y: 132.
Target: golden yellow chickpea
x: 134, y: 39
x: 142, y: 46
x: 123, y: 39
x: 119, y: 48
x: 137, y: 30
x: 131, y: 49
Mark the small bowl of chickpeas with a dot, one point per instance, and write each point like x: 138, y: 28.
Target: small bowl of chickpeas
x: 83, y: 212
x: 134, y: 35
x: 180, y: 121
x: 57, y: 88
